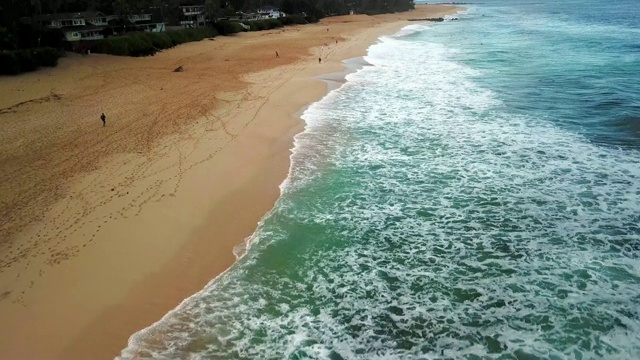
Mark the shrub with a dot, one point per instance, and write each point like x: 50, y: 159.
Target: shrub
x: 113, y: 45
x: 9, y: 63
x: 139, y: 45
x: 251, y: 28
x: 199, y: 33
x: 7, y: 40
x: 311, y: 19
x: 146, y: 44
x: 268, y: 24
x: 159, y: 40
x: 254, y: 25
x: 226, y: 27
x: 47, y: 56
x: 177, y: 37
x: 272, y: 23
x: 52, y: 38
x: 24, y: 60
x: 293, y: 20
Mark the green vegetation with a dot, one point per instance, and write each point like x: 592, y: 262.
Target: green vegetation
x: 268, y: 24
x: 17, y: 61
x: 225, y: 27
x: 25, y: 47
x: 296, y: 20
x: 146, y: 44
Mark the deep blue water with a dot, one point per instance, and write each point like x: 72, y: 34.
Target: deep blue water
x: 571, y: 62
x: 474, y: 193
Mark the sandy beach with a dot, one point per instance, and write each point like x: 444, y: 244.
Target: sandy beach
x: 103, y: 230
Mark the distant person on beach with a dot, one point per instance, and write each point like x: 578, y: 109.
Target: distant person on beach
x: 319, y: 60
x: 104, y: 119
x: 277, y: 55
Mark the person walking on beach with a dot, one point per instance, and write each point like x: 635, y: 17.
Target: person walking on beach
x: 104, y: 120
x: 319, y: 60
x: 277, y: 55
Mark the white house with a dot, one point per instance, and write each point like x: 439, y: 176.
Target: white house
x: 76, y: 26
x: 90, y: 25
x: 88, y: 33
x: 192, y: 16
x: 270, y: 12
x: 139, y: 18
x: 97, y: 18
x: 143, y: 22
x: 153, y: 27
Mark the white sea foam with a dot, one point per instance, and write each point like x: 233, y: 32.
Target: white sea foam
x: 435, y: 223
x: 411, y: 29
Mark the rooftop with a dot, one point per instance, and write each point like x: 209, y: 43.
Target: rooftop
x: 70, y: 16
x: 268, y: 8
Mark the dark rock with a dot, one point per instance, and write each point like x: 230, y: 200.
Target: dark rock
x: 428, y: 19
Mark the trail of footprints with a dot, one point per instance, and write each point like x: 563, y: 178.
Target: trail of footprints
x: 50, y: 244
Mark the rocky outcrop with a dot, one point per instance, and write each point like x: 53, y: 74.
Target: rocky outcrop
x: 428, y: 19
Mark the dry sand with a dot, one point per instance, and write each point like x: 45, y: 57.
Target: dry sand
x: 104, y: 230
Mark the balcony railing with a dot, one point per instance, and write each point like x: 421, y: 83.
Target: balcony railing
x: 145, y: 17
x: 92, y: 37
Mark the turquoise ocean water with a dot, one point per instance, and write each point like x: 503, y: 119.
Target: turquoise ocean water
x: 474, y: 193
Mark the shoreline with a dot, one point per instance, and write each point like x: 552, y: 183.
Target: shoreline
x: 125, y: 281
x: 333, y: 81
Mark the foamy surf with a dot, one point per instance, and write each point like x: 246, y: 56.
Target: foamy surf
x: 438, y: 208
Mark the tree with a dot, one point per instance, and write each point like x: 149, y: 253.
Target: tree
x: 212, y: 9
x: 123, y: 10
x: 7, y: 40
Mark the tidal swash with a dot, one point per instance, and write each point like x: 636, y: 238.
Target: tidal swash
x: 473, y: 193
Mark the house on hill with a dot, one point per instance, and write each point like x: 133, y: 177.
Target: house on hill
x: 139, y: 18
x: 86, y: 25
x: 241, y: 16
x: 90, y: 25
x: 192, y: 16
x: 270, y: 12
x: 144, y: 22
